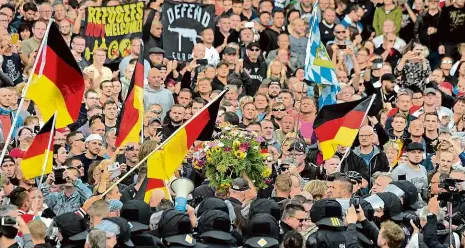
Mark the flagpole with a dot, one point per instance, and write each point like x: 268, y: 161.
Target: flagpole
x: 364, y: 116
x: 21, y: 103
x: 47, y: 153
x: 163, y: 143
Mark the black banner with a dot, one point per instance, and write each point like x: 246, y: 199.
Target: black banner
x: 182, y: 25
x: 112, y: 28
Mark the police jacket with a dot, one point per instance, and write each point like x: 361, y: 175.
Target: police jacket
x: 334, y: 237
x: 367, y: 233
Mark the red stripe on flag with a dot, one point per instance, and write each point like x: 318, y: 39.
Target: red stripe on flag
x: 329, y: 129
x: 195, y: 127
x: 154, y: 183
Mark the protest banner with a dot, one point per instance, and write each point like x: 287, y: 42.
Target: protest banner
x: 112, y: 28
x: 182, y: 25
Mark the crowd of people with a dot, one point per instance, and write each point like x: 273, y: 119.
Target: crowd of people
x: 399, y: 185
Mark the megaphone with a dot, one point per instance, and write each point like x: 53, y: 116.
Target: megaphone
x: 182, y: 187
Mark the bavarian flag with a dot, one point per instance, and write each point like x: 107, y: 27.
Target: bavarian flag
x: 130, y: 119
x: 35, y: 156
x: 338, y: 124
x: 57, y: 83
x: 163, y: 163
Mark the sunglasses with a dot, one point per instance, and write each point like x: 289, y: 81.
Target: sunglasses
x: 79, y: 140
x: 255, y: 50
x: 79, y: 166
x: 301, y: 220
x: 283, y: 169
x: 278, y: 109
x: 340, y: 32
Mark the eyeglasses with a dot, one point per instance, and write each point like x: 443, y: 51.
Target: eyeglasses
x: 300, y: 220
x: 279, y: 109
x: 340, y: 32
x: 156, y: 112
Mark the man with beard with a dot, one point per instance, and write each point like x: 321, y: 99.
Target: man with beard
x: 65, y: 30
x: 269, y: 37
x: 75, y: 142
x: 249, y: 114
x: 184, y: 97
x: 131, y: 155
x: 413, y: 171
x: 176, y: 119
x: 8, y: 166
x: 93, y: 146
x: 287, y: 126
x: 278, y: 112
x: 255, y: 66
x: 78, y: 45
x: 327, y: 25
x: 110, y: 111
x: 274, y: 87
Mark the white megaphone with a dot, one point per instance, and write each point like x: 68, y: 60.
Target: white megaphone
x: 182, y: 187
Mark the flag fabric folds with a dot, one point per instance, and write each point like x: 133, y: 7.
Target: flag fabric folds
x: 57, y: 83
x: 164, y: 163
x: 318, y: 65
x: 34, y: 158
x: 339, y: 124
x: 130, y: 119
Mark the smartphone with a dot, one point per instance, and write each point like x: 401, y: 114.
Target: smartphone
x: 14, y: 38
x: 355, y: 201
x: 59, y: 176
x: 249, y: 25
x: 115, y: 170
x: 202, y: 61
x: 36, y: 129
x: 401, y: 177
x: 8, y: 221
x: 342, y: 46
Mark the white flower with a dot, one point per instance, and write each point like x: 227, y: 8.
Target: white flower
x: 220, y: 144
x: 256, y: 147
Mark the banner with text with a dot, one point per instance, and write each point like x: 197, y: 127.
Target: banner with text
x: 111, y: 28
x: 182, y: 25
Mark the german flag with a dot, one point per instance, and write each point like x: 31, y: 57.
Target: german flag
x: 130, y: 119
x: 164, y: 163
x: 57, y: 83
x: 338, y: 124
x: 35, y: 156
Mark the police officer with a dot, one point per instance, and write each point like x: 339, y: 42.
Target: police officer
x: 215, y: 229
x: 175, y: 230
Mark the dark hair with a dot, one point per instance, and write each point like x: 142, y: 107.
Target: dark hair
x: 69, y: 161
x: 18, y: 196
x: 293, y: 239
x: 71, y: 135
x: 164, y: 204
x: 30, y: 6
x: 9, y: 6
x: 109, y: 102
x: 231, y: 118
x: 278, y: 11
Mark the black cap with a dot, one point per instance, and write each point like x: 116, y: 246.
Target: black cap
x: 274, y: 82
x: 153, y: 120
x: 414, y: 146
x: 388, y: 77
x: 298, y: 146
x: 175, y: 227
x: 211, y: 203
x: 267, y: 206
x: 410, y: 198
x: 203, y: 191
x: 392, y: 205
x: 8, y: 158
x: 327, y: 212
x: 253, y: 44
x: 215, y: 224
x: 221, y: 64
x: 230, y: 50
x: 262, y: 231
x: 70, y: 224
x: 138, y: 213
x: 156, y: 50
x: 239, y: 184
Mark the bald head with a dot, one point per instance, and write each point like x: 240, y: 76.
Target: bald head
x: 365, y: 136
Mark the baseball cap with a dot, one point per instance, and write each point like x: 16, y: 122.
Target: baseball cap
x: 8, y: 158
x: 414, y: 146
x: 93, y: 137
x: 215, y: 224
x: 70, y: 224
x: 230, y: 50
x: 137, y: 213
x: 298, y: 146
x: 274, y: 82
x: 288, y: 161
x: 262, y: 231
x: 388, y: 77
x: 429, y: 91
x: 153, y: 120
x: 175, y: 227
x: 253, y: 44
x: 327, y: 212
x: 156, y: 50
x: 239, y: 184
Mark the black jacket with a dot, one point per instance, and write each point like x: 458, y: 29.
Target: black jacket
x: 336, y: 237
x: 257, y: 72
x: 378, y: 162
x: 352, y: 162
x: 368, y: 234
x: 430, y: 233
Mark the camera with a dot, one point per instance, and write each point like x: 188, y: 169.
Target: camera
x: 59, y: 176
x: 377, y: 64
x: 8, y: 221
x: 407, y: 217
x: 451, y: 186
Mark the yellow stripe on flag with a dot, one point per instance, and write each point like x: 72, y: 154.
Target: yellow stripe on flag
x: 148, y: 193
x: 345, y: 137
x: 32, y: 167
x: 48, y: 98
